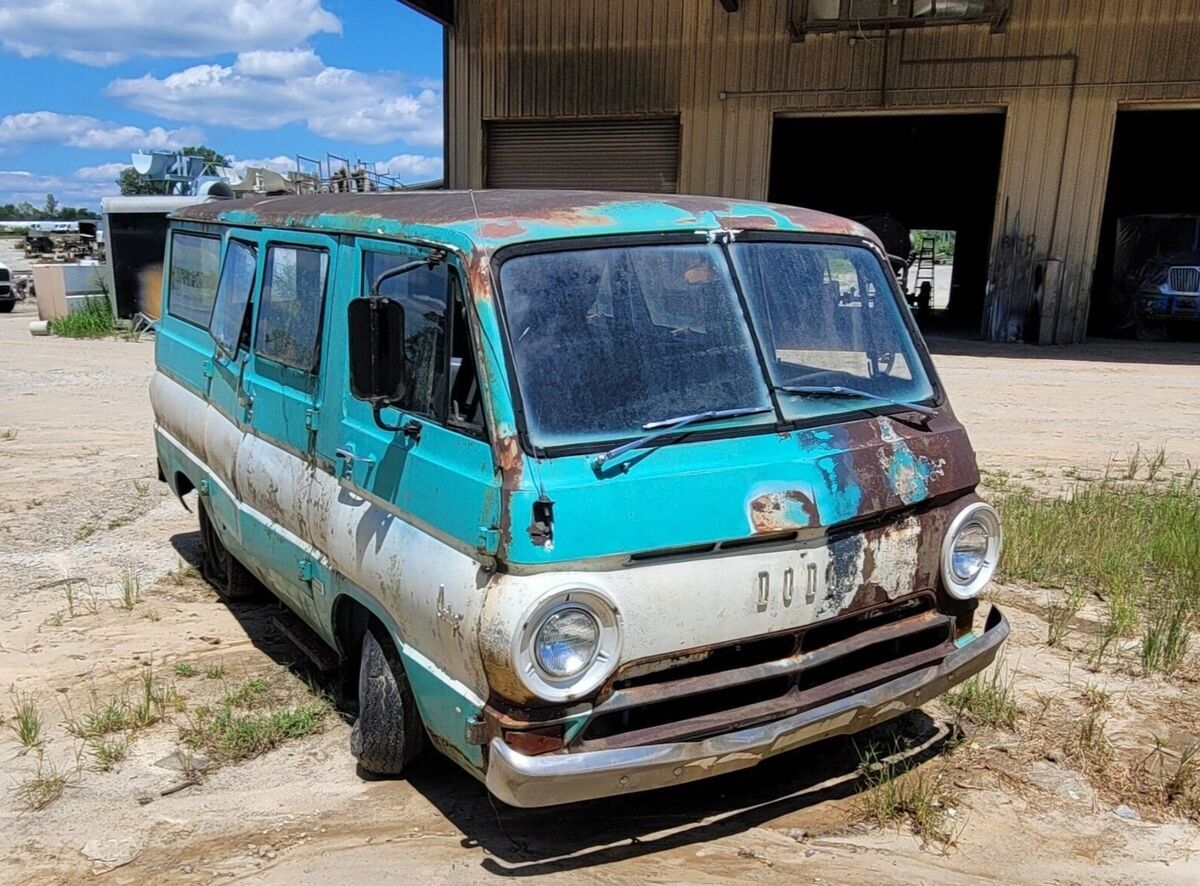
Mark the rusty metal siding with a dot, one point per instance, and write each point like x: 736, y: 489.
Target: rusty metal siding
x: 1061, y: 70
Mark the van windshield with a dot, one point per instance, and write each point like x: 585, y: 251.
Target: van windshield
x: 607, y: 340
x: 826, y: 315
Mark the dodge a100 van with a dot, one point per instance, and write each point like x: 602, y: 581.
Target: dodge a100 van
x: 596, y: 493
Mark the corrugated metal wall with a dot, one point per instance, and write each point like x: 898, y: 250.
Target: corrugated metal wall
x: 1061, y: 69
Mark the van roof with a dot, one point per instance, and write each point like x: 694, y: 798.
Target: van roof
x: 492, y: 218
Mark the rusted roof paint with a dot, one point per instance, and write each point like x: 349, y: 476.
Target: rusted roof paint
x: 491, y: 219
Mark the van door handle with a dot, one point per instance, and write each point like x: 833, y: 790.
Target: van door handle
x: 350, y: 456
x: 345, y: 460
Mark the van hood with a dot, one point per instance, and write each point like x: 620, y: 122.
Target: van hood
x: 683, y: 496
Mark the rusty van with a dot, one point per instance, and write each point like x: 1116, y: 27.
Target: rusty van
x: 595, y: 493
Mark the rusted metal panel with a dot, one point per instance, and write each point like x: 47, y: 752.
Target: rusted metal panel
x: 791, y: 665
x: 792, y: 702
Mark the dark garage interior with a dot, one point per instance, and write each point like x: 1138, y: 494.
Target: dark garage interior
x: 1153, y: 173
x: 937, y: 171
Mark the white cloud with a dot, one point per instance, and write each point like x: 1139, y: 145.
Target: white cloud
x: 104, y: 32
x: 82, y: 188
x: 81, y: 131
x: 412, y: 167
x: 281, y: 163
x: 278, y: 64
x: 105, y: 172
x: 267, y: 90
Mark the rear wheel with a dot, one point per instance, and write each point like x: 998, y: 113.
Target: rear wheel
x: 388, y: 732
x: 7, y: 306
x: 231, y: 579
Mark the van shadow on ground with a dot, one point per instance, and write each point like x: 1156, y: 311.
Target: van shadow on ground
x: 256, y: 617
x: 533, y: 842
x: 803, y: 786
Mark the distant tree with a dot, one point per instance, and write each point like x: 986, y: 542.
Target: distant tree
x: 52, y: 211
x: 207, y: 153
x: 132, y: 184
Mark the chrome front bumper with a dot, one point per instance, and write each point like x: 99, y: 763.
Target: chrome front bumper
x: 548, y: 780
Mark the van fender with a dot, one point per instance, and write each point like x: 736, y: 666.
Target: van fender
x: 448, y: 708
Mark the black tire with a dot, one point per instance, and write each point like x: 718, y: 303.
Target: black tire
x: 221, y: 569
x: 388, y: 732
x: 7, y: 306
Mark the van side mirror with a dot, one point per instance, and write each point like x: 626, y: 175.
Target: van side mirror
x: 378, y: 370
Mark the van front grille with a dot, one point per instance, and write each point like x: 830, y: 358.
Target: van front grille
x: 757, y: 681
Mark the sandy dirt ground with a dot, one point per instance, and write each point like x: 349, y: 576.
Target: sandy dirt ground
x: 79, y: 500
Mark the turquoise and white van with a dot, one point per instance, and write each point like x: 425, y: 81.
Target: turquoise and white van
x: 596, y: 493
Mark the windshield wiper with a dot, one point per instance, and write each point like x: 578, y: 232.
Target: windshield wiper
x: 849, y: 393
x: 667, y: 425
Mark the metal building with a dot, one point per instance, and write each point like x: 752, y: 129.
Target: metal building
x: 1027, y: 126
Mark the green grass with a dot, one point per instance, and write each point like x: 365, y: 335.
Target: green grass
x: 150, y: 703
x: 131, y: 589
x: 93, y: 320
x: 27, y: 720
x: 183, y: 669
x: 919, y: 797
x: 106, y: 718
x: 986, y: 699
x: 1135, y: 544
x: 255, y: 717
x: 108, y: 751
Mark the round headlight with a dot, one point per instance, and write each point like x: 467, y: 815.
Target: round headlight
x: 968, y: 554
x: 971, y: 550
x: 567, y: 642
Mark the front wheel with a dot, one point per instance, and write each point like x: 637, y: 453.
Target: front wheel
x: 388, y: 732
x: 7, y: 306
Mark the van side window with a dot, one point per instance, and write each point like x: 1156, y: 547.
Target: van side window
x: 195, y: 265
x: 230, y: 326
x: 423, y: 294
x: 289, y: 316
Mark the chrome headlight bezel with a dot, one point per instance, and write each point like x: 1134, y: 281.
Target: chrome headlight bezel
x: 600, y: 666
x: 985, y: 516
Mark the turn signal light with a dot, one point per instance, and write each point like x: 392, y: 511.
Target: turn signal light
x: 535, y: 741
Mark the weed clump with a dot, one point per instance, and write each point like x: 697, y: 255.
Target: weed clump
x: 919, y: 797
x: 93, y: 320
x: 254, y: 717
x: 987, y: 700
x: 27, y: 720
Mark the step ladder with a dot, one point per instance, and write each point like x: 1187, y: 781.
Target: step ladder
x: 926, y: 256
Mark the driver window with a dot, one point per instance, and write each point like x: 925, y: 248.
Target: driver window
x: 423, y: 294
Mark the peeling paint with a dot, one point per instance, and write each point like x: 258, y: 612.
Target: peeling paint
x: 774, y: 511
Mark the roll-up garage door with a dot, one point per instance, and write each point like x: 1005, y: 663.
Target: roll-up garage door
x: 609, y: 155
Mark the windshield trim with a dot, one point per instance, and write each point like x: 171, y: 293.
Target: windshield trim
x: 780, y: 425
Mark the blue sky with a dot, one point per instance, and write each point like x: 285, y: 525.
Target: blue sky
x: 85, y: 82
